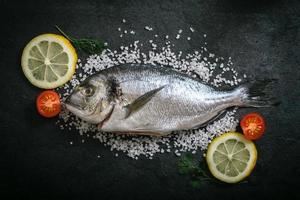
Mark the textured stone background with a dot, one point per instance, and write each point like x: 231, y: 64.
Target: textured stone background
x: 37, y: 161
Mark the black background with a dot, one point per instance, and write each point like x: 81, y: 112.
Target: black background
x: 37, y: 161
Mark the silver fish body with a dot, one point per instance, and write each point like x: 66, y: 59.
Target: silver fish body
x: 146, y: 99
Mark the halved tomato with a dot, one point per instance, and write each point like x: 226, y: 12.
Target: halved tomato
x: 48, y: 103
x: 253, y: 126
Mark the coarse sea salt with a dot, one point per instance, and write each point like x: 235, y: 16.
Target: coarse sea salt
x: 201, y: 64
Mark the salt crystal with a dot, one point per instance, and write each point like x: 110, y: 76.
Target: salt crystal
x: 198, y: 63
x: 148, y: 28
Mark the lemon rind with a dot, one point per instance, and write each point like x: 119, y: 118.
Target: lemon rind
x: 250, y: 164
x: 67, y: 47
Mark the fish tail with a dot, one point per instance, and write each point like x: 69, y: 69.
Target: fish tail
x: 258, y: 93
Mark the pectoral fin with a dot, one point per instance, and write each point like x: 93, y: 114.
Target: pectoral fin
x: 140, y: 102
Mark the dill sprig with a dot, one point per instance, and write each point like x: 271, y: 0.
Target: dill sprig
x: 198, y: 173
x: 87, y: 45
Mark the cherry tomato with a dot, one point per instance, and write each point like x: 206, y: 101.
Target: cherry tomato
x: 253, y: 126
x: 48, y: 103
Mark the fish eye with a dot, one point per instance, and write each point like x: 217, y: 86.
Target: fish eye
x: 88, y: 91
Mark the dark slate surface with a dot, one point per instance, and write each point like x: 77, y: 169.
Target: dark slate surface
x: 37, y: 161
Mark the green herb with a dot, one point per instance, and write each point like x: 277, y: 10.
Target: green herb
x: 197, y: 172
x: 196, y: 183
x: 87, y: 45
x: 186, y: 164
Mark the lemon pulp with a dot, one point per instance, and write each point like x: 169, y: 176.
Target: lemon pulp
x: 49, y: 61
x: 231, y: 157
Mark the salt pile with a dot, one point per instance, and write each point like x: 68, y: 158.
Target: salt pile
x: 201, y: 64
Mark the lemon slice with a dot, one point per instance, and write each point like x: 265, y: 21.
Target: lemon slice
x: 49, y: 61
x: 231, y: 157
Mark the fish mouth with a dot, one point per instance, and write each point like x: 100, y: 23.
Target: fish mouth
x: 69, y: 103
x: 85, y: 115
x: 74, y: 109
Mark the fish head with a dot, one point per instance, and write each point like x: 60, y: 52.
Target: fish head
x: 91, y: 101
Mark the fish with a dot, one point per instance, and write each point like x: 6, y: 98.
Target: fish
x: 144, y: 99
